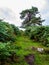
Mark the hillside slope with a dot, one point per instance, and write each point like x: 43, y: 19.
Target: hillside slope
x: 29, y: 47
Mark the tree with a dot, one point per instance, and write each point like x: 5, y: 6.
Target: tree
x: 29, y: 16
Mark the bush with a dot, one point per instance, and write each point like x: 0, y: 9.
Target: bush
x: 7, y: 50
x: 6, y: 32
x: 27, y: 31
x: 47, y: 45
x: 39, y: 34
x: 16, y: 30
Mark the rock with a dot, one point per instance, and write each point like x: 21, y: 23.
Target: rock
x: 40, y: 49
x: 30, y: 59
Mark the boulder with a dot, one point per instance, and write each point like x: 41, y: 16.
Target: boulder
x: 40, y: 50
x: 30, y: 59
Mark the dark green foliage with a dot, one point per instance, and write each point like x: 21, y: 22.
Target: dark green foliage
x: 47, y: 45
x: 32, y: 11
x: 6, y: 32
x: 39, y: 34
x: 7, y: 50
x: 27, y: 31
x: 15, y: 29
x: 29, y: 16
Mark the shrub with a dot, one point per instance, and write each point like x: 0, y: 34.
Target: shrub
x: 39, y: 34
x: 7, y: 51
x: 16, y: 30
x: 27, y: 31
x: 6, y: 32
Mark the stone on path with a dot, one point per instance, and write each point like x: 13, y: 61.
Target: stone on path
x: 30, y: 59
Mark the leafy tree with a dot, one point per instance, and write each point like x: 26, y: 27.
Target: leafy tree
x: 29, y: 16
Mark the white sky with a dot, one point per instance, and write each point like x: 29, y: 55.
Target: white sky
x: 10, y: 9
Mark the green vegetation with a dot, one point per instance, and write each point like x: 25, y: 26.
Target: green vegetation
x: 6, y: 32
x: 30, y: 18
x: 39, y: 34
x: 6, y: 50
x: 14, y: 52
x: 28, y: 47
x: 16, y: 30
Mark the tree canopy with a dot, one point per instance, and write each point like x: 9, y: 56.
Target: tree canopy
x: 29, y: 17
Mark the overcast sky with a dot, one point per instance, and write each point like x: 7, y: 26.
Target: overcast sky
x: 10, y: 9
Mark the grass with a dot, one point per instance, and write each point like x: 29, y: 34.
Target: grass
x: 25, y: 42
x: 25, y: 45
